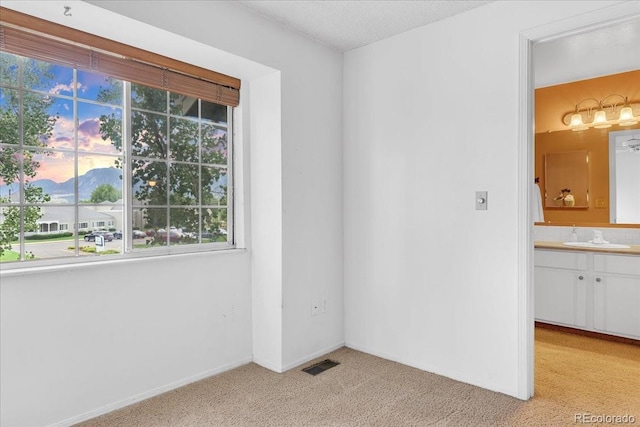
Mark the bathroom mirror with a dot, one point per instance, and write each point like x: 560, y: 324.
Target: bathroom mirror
x: 624, y: 176
x: 612, y: 184
x: 566, y: 178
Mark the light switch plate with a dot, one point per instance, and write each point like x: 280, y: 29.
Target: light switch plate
x: 481, y: 200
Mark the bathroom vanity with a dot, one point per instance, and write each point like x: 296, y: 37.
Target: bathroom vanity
x: 593, y: 289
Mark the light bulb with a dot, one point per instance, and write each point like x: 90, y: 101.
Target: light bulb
x: 600, y: 120
x: 576, y: 120
x: 576, y: 123
x: 626, y: 117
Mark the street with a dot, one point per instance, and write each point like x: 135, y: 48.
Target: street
x: 58, y: 249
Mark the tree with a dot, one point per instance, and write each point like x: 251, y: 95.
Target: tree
x: 165, y: 159
x: 104, y: 193
x: 36, y: 125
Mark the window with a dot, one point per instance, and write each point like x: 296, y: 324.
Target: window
x: 86, y: 147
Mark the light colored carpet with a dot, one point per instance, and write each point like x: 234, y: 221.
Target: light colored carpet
x: 577, y: 374
x: 574, y: 375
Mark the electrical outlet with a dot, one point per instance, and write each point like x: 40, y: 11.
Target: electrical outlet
x: 325, y: 304
x: 315, y: 307
x: 601, y: 203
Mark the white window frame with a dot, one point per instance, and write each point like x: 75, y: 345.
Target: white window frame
x: 127, y: 249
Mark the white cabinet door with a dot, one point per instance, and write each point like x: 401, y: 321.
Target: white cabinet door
x: 592, y: 291
x: 560, y: 296
x: 617, y: 304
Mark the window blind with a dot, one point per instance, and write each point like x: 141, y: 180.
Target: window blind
x: 32, y: 37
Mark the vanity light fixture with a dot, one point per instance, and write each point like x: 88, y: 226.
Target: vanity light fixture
x: 602, y: 113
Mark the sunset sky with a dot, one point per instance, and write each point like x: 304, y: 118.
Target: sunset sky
x: 59, y: 166
x: 78, y: 139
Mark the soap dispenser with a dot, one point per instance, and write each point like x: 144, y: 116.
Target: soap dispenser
x: 574, y: 234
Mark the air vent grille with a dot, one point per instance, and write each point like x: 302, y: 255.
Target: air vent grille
x: 320, y: 367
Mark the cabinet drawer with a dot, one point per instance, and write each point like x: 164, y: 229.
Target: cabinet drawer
x: 560, y: 259
x: 618, y: 264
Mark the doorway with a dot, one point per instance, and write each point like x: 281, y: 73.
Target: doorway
x: 529, y: 40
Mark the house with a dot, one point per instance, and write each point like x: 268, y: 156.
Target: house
x: 56, y: 219
x: 356, y: 181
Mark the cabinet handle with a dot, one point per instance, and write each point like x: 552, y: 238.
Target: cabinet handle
x: 598, y: 279
x: 580, y: 277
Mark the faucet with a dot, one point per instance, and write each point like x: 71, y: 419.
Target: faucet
x: 574, y: 234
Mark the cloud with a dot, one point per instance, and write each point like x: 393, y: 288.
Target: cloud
x: 90, y: 127
x: 63, y: 134
x: 61, y: 142
x: 61, y: 88
x: 90, y: 138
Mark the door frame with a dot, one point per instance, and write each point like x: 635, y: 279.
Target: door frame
x: 600, y: 18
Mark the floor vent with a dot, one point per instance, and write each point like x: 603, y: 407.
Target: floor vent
x: 320, y: 367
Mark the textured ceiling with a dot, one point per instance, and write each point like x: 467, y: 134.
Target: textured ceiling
x: 349, y: 24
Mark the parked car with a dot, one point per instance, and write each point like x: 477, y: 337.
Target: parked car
x: 138, y: 234
x: 91, y: 237
x: 214, y: 235
x: 174, y: 235
x: 117, y: 234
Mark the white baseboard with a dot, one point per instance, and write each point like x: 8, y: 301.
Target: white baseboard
x: 268, y: 365
x: 177, y: 384
x: 148, y: 394
x: 382, y: 355
x: 454, y: 375
x: 279, y: 369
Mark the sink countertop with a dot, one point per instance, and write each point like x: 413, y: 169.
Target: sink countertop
x: 540, y: 244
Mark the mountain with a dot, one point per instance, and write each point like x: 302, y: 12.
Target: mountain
x: 93, y: 178
x: 64, y: 190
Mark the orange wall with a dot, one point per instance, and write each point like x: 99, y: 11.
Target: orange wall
x: 551, y: 104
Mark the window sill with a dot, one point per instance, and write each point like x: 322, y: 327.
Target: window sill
x: 34, y: 267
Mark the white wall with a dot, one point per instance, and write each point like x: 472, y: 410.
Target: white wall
x: 266, y: 174
x: 77, y: 341
x: 74, y: 346
x: 429, y: 281
x: 588, y: 54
